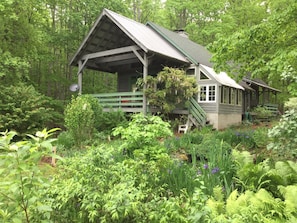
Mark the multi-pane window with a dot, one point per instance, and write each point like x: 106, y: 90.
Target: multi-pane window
x: 203, y: 93
x: 231, y: 96
x: 211, y: 93
x: 207, y: 93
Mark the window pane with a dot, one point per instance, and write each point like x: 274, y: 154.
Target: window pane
x: 233, y: 96
x: 212, y: 93
x: 239, y: 97
x: 202, y: 93
x: 203, y: 76
x: 226, y: 95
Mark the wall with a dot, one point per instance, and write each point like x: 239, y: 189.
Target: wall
x: 221, y: 121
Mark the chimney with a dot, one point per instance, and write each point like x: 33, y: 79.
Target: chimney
x: 182, y: 32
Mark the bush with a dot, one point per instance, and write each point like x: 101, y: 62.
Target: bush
x: 142, y: 136
x: 22, y: 179
x: 24, y: 110
x: 283, y: 136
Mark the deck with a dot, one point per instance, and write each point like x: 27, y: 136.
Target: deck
x: 125, y: 101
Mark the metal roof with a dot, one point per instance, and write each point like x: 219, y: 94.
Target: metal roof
x: 196, y: 53
x: 260, y: 83
x: 112, y: 31
x: 222, y: 78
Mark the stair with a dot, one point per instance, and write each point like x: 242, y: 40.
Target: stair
x: 196, y: 117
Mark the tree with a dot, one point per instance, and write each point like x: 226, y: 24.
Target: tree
x: 266, y: 50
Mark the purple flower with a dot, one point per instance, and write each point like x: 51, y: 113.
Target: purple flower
x: 237, y: 133
x: 205, y: 166
x: 215, y: 170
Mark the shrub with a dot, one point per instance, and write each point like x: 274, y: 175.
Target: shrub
x: 24, y: 110
x: 283, y: 136
x: 22, y: 180
x: 142, y: 136
x: 81, y: 117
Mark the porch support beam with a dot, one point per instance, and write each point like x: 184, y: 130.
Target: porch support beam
x: 145, y: 73
x: 79, y: 74
x: 110, y: 52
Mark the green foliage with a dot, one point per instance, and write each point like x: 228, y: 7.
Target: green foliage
x: 107, y: 121
x: 98, y: 187
x: 25, y: 110
x: 250, y: 207
x: 260, y: 137
x: 142, y: 135
x: 283, y: 136
x: 262, y: 112
x: 291, y: 104
x: 170, y: 88
x: 22, y: 180
x: 81, y: 117
x: 266, y: 174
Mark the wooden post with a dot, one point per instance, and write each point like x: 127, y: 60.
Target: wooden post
x: 145, y: 73
x: 79, y: 77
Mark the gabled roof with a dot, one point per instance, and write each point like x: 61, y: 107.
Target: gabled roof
x: 222, y: 78
x: 194, y: 52
x: 112, y: 30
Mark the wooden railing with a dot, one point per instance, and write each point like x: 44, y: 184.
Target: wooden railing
x: 125, y: 101
x: 197, y: 112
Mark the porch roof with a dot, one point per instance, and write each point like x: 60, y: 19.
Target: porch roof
x: 260, y: 83
x: 112, y: 31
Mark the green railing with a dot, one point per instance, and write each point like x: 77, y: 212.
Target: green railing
x: 197, y: 112
x: 126, y: 101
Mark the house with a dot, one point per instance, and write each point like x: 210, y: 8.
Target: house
x: 120, y: 45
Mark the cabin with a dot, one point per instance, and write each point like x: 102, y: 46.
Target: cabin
x: 117, y: 44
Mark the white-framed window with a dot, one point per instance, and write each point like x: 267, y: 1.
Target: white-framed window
x: 207, y: 93
x: 203, y: 76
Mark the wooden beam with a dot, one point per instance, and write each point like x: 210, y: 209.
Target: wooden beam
x: 116, y: 58
x: 110, y: 52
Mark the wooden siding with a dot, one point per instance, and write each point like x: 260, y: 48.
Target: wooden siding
x: 209, y: 107
x: 230, y: 109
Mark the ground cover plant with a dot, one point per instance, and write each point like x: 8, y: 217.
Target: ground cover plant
x: 147, y: 174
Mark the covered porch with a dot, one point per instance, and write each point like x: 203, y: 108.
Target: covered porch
x: 258, y: 93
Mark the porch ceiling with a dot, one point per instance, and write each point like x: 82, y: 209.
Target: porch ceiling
x: 115, y: 33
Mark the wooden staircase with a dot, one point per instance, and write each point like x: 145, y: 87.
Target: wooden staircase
x: 196, y: 117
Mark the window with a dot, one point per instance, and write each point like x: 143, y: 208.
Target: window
x: 225, y: 95
x: 207, y: 93
x: 190, y: 72
x: 211, y: 93
x: 203, y: 92
x: 233, y: 96
x: 203, y: 76
x: 239, y: 97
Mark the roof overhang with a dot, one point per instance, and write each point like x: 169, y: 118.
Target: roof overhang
x: 259, y: 83
x: 116, y: 40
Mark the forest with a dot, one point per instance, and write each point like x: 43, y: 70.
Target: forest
x: 61, y: 164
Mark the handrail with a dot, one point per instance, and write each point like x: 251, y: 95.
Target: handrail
x: 197, y: 112
x: 121, y: 100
